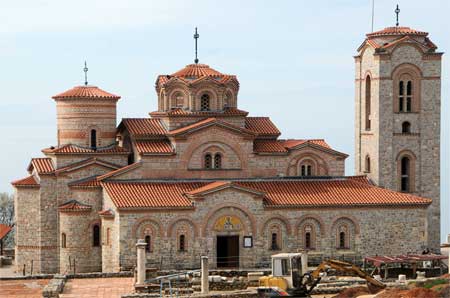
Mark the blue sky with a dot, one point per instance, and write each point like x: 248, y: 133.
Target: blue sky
x: 294, y: 60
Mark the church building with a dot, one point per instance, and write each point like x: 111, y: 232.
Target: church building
x: 199, y: 176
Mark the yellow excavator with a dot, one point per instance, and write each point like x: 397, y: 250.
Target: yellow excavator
x: 290, y: 278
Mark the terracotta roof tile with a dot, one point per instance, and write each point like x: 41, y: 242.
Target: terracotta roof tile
x: 119, y: 171
x: 74, y: 205
x: 86, y: 92
x: 87, y: 162
x: 206, y: 122
x: 333, y: 192
x: 293, y: 143
x: 75, y: 149
x: 178, y: 112
x: 262, y: 126
x: 105, y: 213
x: 269, y: 146
x: 150, y: 195
x: 154, y: 147
x: 4, y: 230
x: 397, y: 31
x: 142, y: 127
x: 91, y: 182
x: 29, y: 181
x: 42, y: 165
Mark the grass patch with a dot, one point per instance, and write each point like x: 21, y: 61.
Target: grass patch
x: 432, y: 283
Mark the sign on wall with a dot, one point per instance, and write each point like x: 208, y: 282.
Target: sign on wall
x: 228, y: 223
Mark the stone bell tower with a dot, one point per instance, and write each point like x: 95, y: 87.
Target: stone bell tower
x: 397, y: 116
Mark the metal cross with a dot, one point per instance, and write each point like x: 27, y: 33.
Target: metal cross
x: 85, y: 69
x: 397, y: 11
x: 196, y: 36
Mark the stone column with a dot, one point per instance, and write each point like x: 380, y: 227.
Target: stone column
x: 140, y: 246
x: 304, y: 260
x: 205, y: 275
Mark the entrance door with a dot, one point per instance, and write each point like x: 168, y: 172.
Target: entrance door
x: 227, y: 251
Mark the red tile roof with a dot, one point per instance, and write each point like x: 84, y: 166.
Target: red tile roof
x: 105, y: 213
x: 74, y: 205
x: 208, y: 122
x: 154, y: 147
x: 42, y: 165
x: 293, y: 143
x: 269, y: 146
x: 91, y: 182
x: 142, y: 127
x: 119, y: 171
x: 4, y: 230
x: 86, y: 92
x: 397, y: 31
x: 87, y: 162
x: 29, y: 181
x: 150, y: 195
x: 296, y: 193
x: 178, y: 112
x: 75, y: 149
x: 262, y: 126
x: 197, y: 71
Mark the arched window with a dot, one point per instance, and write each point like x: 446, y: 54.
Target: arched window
x: 405, y: 174
x: 182, y: 243
x: 405, y: 93
x: 96, y: 235
x: 204, y: 102
x: 148, y: 243
x: 308, y: 240
x: 274, y: 242
x: 208, y: 161
x: 406, y: 127
x: 367, y: 166
x: 63, y: 240
x: 342, y: 240
x: 217, y: 161
x: 368, y: 102
x: 93, y: 138
x: 306, y: 169
x: 177, y: 100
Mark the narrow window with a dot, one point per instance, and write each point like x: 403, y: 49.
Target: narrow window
x: 368, y: 102
x: 408, y: 96
x: 400, y: 96
x: 217, y: 161
x: 308, y: 170
x: 93, y: 138
x: 208, y: 161
x: 63, y: 240
x: 367, y: 164
x: 274, y: 242
x: 204, y: 103
x: 108, y: 236
x: 342, y: 240
x: 182, y: 243
x: 148, y: 243
x: 405, y: 170
x: 406, y: 127
x: 96, y: 236
x: 303, y: 170
x: 308, y: 240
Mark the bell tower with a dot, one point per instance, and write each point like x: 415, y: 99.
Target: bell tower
x: 397, y: 116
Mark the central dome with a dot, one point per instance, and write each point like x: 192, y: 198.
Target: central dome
x: 197, y: 71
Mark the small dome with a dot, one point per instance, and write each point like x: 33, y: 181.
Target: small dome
x: 395, y: 31
x: 196, y: 71
x: 86, y: 92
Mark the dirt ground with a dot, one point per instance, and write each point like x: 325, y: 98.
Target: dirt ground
x: 31, y: 288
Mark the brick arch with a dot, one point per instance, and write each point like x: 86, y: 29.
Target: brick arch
x: 182, y: 219
x: 281, y: 218
x: 143, y: 220
x: 412, y: 166
x: 213, y: 96
x: 304, y: 218
x: 194, y: 147
x: 229, y: 205
x: 94, y: 222
x: 180, y: 89
x: 293, y: 163
x: 352, y: 219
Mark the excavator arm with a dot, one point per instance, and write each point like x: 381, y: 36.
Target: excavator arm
x: 310, y: 280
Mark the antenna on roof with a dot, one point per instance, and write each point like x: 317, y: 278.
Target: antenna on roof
x: 85, y: 69
x: 373, y: 13
x: 196, y: 37
x: 397, y: 12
